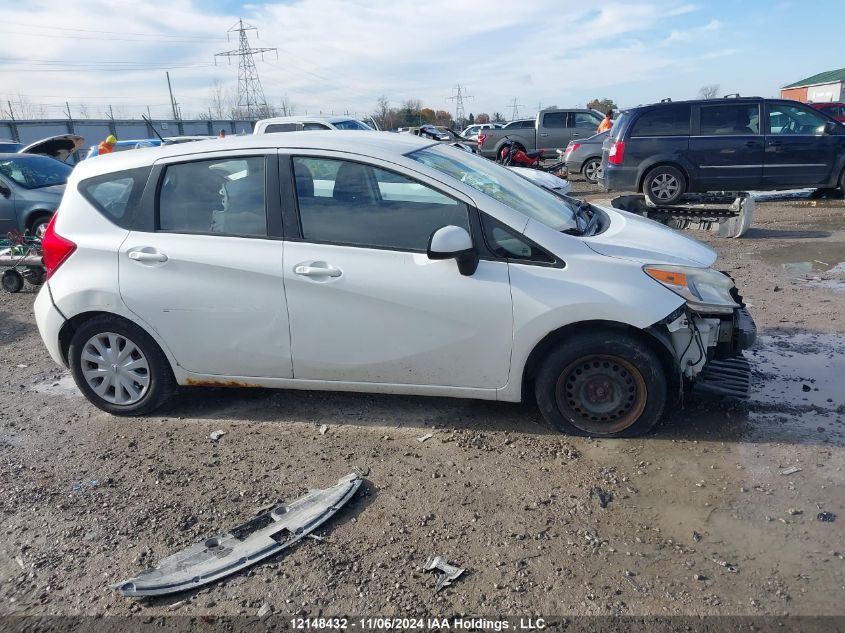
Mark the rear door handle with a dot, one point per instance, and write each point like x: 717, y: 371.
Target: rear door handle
x: 544, y: 134
x: 146, y: 257
x: 775, y: 143
x: 308, y: 270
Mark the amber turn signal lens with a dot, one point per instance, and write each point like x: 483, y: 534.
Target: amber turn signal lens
x: 668, y: 277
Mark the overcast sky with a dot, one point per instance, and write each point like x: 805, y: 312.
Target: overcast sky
x: 339, y: 55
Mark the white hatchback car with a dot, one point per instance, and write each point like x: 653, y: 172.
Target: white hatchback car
x: 384, y: 263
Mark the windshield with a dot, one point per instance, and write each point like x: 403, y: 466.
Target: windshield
x: 33, y: 172
x: 351, y: 124
x: 499, y: 183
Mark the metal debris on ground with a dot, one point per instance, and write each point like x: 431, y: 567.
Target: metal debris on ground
x: 826, y: 517
x: 216, y: 435
x: 265, y: 611
x: 790, y: 471
x: 243, y: 546
x: 604, y: 496
x: 449, y: 573
x: 323, y: 429
x: 425, y: 437
x: 794, y: 511
x: 731, y: 567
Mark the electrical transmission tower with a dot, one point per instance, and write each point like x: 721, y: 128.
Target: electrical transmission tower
x: 458, y: 98
x: 251, y: 100
x: 515, y: 106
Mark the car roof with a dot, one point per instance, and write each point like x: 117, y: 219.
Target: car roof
x: 376, y: 144
x: 296, y: 119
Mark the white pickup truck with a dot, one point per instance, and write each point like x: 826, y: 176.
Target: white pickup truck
x: 553, y: 129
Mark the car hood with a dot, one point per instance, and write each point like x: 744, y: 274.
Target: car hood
x: 59, y: 147
x: 634, y: 237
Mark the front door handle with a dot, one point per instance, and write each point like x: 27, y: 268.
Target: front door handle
x: 312, y: 270
x: 775, y: 143
x: 752, y: 143
x: 544, y: 134
x: 146, y: 257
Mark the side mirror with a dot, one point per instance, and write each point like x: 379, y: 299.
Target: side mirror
x: 4, y: 190
x: 453, y: 242
x: 828, y: 128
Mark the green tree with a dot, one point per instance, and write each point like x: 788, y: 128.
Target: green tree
x: 471, y: 119
x: 603, y: 105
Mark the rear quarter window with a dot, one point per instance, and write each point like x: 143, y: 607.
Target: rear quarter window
x: 665, y: 120
x: 116, y: 195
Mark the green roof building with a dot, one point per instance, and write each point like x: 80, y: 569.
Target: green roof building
x: 826, y: 86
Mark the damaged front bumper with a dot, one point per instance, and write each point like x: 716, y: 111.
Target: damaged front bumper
x: 245, y: 545
x: 708, y: 350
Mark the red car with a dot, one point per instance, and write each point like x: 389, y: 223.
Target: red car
x: 836, y: 109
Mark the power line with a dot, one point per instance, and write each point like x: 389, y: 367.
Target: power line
x: 250, y: 93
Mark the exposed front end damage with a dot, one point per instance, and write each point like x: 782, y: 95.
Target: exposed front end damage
x: 708, y: 349
x: 265, y: 535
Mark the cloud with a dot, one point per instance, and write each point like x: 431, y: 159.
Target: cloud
x: 337, y: 55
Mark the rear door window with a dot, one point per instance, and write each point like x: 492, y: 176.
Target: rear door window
x: 555, y: 120
x: 730, y: 119
x: 223, y: 196
x: 668, y: 120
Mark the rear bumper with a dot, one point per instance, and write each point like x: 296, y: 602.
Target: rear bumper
x: 618, y: 177
x: 50, y: 322
x: 574, y: 166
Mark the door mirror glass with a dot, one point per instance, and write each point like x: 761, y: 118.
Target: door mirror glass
x: 829, y: 127
x: 4, y: 190
x: 454, y: 242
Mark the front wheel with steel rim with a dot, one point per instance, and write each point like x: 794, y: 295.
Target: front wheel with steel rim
x: 664, y: 185
x: 119, y: 367
x: 592, y: 170
x: 603, y: 385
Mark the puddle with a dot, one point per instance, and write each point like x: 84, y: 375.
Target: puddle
x: 808, y: 258
x: 797, y: 394
x: 64, y: 387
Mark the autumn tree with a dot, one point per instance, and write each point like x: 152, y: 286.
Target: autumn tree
x: 443, y: 117
x: 482, y: 117
x: 427, y: 115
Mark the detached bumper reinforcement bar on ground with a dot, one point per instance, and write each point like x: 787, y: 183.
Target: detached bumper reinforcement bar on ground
x: 268, y: 533
x: 726, y: 377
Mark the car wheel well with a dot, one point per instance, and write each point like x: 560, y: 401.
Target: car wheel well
x: 74, y: 323
x: 665, y: 163
x: 36, y: 215
x: 558, y: 337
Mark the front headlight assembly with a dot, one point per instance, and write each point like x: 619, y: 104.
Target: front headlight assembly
x: 705, y: 290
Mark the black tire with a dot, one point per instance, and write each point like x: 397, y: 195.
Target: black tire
x: 12, y: 280
x: 664, y: 185
x: 39, y: 225
x: 591, y: 170
x: 602, y: 384
x: 160, y: 383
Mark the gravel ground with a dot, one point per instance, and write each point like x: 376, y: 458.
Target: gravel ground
x: 701, y: 521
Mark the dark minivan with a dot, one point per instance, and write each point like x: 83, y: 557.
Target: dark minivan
x: 668, y: 149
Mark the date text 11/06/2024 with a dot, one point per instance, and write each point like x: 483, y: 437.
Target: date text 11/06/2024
x: 423, y: 624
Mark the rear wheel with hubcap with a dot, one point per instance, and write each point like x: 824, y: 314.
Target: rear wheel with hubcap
x: 664, y: 185
x: 605, y: 384
x: 119, y: 367
x: 592, y: 170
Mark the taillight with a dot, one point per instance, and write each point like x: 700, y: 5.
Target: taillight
x: 481, y: 138
x: 617, y: 152
x: 55, y: 249
x: 572, y: 147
